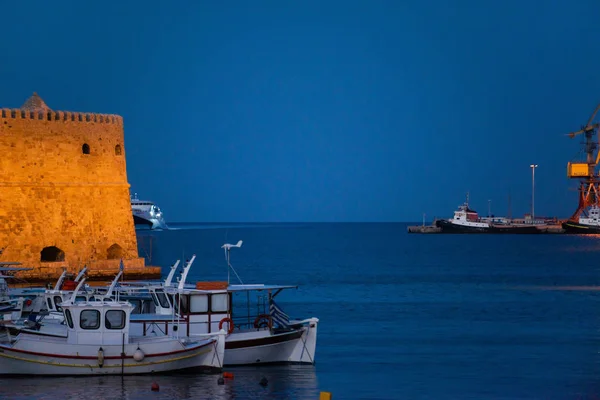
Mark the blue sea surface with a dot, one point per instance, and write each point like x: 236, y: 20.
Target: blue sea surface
x: 402, y: 316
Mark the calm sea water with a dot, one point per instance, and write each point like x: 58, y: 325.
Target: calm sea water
x: 401, y: 316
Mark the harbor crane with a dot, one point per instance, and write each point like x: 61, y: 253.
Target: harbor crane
x: 585, y: 172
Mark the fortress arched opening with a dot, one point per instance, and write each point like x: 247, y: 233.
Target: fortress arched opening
x: 51, y: 254
x: 85, y: 148
x: 118, y: 151
x: 114, y: 252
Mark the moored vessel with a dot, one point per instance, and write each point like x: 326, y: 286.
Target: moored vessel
x: 258, y: 330
x: 98, y: 342
x: 467, y: 220
x: 588, y: 222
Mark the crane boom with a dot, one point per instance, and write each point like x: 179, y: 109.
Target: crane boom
x: 593, y: 115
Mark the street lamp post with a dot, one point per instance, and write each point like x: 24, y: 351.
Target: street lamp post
x: 533, y: 167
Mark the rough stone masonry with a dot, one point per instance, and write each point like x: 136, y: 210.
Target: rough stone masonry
x: 64, y: 199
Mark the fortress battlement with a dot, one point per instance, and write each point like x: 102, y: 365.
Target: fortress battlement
x: 19, y: 113
x: 36, y: 109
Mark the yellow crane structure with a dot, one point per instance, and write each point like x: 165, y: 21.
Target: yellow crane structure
x: 589, y: 186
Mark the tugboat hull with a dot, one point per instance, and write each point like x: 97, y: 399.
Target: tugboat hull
x: 449, y: 227
x: 575, y: 227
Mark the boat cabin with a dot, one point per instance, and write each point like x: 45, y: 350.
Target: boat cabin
x: 593, y: 217
x: 228, y: 307
x: 97, y: 322
x: 464, y: 213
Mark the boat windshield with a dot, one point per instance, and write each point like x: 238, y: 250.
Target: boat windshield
x: 162, y: 299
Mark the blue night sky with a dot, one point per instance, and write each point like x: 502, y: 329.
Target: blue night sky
x: 321, y: 110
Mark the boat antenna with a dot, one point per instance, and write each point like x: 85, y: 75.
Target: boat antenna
x: 227, y: 248
x: 77, y: 289
x: 80, y: 275
x: 60, y: 280
x: 184, y: 274
x: 111, y: 288
x: 509, y: 209
x: 171, y: 273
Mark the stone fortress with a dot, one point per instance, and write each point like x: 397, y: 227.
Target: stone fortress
x: 64, y: 199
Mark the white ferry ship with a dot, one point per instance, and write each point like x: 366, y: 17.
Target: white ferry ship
x: 146, y: 213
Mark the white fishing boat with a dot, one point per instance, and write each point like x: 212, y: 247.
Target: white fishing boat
x: 259, y: 332
x: 98, y: 342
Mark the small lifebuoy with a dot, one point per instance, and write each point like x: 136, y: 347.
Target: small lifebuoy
x: 28, y: 302
x: 262, y: 321
x: 229, y: 324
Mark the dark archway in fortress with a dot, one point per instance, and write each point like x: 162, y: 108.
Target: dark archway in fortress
x: 114, y: 252
x: 52, y: 253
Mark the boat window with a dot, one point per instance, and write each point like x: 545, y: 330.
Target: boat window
x: 57, y: 301
x: 155, y: 300
x: 148, y: 307
x: 80, y: 298
x: 164, y: 303
x: 137, y: 306
x: 69, y: 318
x: 114, y: 319
x: 219, y: 302
x: 92, y: 298
x: 199, y: 303
x: 173, y: 301
x: 49, y: 304
x: 90, y: 319
x: 182, y: 302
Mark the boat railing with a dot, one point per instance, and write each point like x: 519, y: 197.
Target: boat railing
x: 250, y: 322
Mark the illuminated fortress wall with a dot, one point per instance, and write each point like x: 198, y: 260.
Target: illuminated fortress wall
x: 64, y: 193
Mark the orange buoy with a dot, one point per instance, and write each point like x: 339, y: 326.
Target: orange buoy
x: 228, y: 375
x: 155, y: 387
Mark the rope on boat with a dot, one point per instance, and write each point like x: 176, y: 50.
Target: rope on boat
x: 304, y: 346
x: 217, y: 354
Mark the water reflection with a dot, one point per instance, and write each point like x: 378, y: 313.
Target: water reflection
x: 294, y: 381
